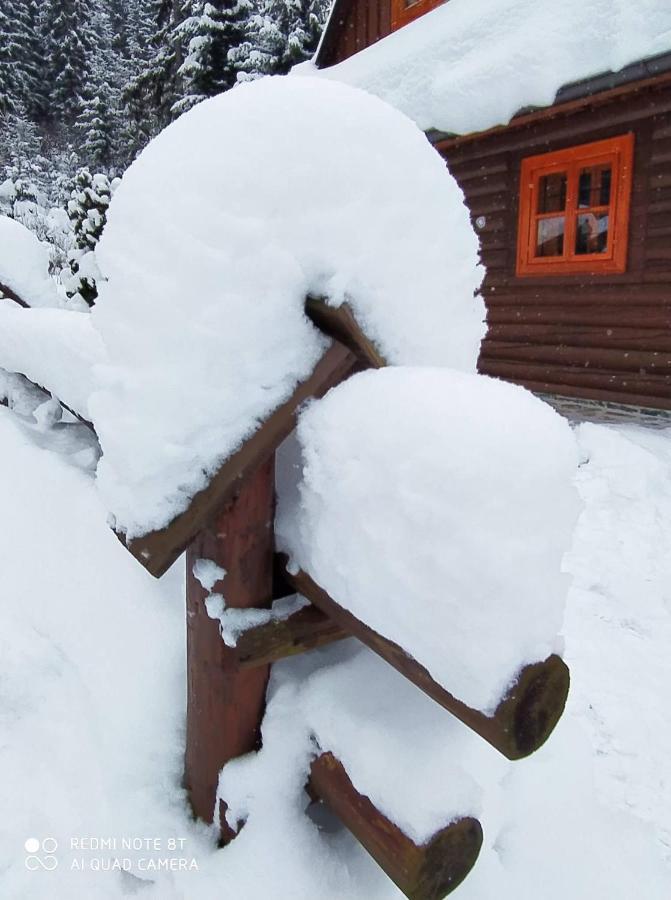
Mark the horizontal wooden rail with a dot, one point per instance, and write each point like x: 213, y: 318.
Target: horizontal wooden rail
x: 524, y: 718
x: 304, y: 630
x: 428, y: 871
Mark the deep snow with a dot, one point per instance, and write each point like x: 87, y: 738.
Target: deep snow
x: 433, y: 502
x: 92, y: 704
x: 295, y: 186
x: 469, y: 65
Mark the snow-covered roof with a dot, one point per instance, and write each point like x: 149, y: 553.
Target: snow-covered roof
x: 470, y: 65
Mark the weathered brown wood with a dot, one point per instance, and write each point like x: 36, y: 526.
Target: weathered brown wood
x: 525, y: 717
x: 619, y: 383
x: 339, y: 323
x: 582, y: 336
x: 304, y: 630
x: 225, y: 704
x: 11, y: 295
x: 159, y: 549
x: 650, y: 404
x: 624, y: 359
x: 427, y: 872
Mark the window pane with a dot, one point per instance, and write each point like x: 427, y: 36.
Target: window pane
x: 552, y: 193
x: 550, y: 236
x: 594, y: 186
x: 592, y: 233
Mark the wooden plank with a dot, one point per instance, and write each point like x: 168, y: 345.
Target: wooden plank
x: 649, y: 317
x: 652, y: 404
x: 427, y: 872
x: 656, y: 388
x: 582, y: 336
x: 304, y: 630
x: 224, y: 704
x: 587, y: 357
x: 339, y: 323
x: 524, y: 718
x: 157, y: 550
x: 10, y: 295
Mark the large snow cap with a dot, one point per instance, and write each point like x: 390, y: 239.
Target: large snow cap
x: 472, y: 64
x: 24, y: 265
x: 438, y: 503
x: 215, y: 236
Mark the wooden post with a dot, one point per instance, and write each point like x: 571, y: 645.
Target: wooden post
x: 428, y: 871
x: 225, y: 705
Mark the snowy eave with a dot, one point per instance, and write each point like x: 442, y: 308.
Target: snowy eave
x: 471, y: 65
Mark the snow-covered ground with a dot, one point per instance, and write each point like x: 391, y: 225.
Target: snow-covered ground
x: 92, y: 689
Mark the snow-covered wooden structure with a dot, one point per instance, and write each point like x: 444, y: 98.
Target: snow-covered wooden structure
x: 571, y: 195
x: 230, y: 523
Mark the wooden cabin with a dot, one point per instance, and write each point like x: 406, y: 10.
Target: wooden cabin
x: 572, y: 204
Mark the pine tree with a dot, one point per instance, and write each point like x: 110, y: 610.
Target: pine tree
x: 69, y: 43
x: 94, y: 125
x: 10, y: 53
x: 280, y: 34
x: 151, y: 93
x: 209, y: 34
x: 87, y: 210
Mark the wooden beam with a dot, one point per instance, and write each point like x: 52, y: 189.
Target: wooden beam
x: 10, y: 295
x: 524, y: 718
x: 225, y: 705
x: 158, y: 550
x: 426, y: 872
x: 339, y: 323
x: 304, y: 630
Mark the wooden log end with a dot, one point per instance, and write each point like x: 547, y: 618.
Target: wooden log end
x: 447, y: 859
x: 429, y: 871
x: 529, y: 713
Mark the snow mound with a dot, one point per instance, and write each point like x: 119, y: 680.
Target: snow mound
x: 215, y: 236
x: 468, y: 66
x: 434, y: 502
x: 24, y: 265
x: 55, y: 348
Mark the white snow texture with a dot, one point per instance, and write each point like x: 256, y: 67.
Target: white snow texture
x: 24, y: 265
x: 469, y: 65
x: 290, y: 186
x: 435, y: 502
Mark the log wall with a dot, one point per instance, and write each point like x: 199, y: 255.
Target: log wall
x: 600, y: 337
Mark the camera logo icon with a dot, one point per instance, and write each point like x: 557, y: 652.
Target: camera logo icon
x: 41, y: 854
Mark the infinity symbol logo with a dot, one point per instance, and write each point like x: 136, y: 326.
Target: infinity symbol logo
x: 45, y: 861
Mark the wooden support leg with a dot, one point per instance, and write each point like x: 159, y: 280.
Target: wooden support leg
x: 426, y: 872
x: 525, y: 717
x: 225, y: 705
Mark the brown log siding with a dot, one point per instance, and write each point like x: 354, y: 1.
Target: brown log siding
x: 604, y: 337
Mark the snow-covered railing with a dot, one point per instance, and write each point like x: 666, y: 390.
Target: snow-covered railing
x: 227, y: 683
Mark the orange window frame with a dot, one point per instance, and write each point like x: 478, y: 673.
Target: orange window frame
x: 402, y: 13
x: 618, y: 153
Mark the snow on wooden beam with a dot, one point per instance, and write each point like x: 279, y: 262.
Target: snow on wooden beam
x: 524, y: 718
x: 306, y: 629
x: 339, y: 323
x: 422, y: 872
x: 158, y: 550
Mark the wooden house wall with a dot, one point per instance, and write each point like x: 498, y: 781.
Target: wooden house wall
x: 602, y: 337
x: 356, y: 24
